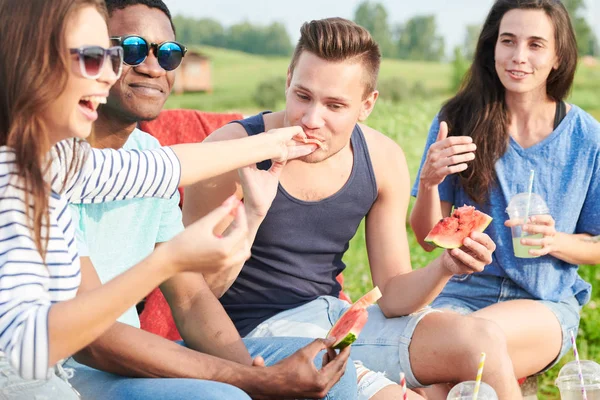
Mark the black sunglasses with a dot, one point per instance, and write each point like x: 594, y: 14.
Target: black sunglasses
x: 92, y: 58
x: 136, y: 50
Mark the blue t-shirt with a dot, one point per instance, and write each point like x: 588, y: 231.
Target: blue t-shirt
x: 119, y: 234
x: 567, y: 176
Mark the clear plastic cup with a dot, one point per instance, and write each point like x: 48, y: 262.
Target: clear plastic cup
x: 464, y: 391
x: 570, y: 386
x: 517, y: 208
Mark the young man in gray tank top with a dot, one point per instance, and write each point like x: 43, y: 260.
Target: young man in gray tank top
x: 288, y: 288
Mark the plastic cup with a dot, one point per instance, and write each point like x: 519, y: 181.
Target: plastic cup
x: 570, y: 386
x: 464, y: 391
x: 517, y: 209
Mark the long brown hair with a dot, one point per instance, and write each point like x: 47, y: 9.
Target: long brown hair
x: 338, y: 39
x: 479, y: 109
x: 34, y: 70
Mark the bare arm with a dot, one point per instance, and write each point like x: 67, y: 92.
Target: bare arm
x: 577, y: 249
x: 76, y: 323
x: 211, y: 158
x: 201, y: 320
x: 404, y: 290
x: 446, y: 156
x: 203, y: 196
x: 129, y: 351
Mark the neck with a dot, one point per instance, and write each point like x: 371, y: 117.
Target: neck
x: 530, y: 113
x: 110, y: 131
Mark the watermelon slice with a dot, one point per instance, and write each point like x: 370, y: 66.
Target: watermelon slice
x: 450, y: 232
x: 321, y: 145
x: 348, y: 327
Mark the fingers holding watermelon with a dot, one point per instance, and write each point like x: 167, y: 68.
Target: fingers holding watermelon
x: 472, y: 256
x: 448, y: 155
x: 301, y: 377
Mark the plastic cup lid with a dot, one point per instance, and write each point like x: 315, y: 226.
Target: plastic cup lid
x: 464, y: 390
x: 568, y: 377
x: 518, y: 205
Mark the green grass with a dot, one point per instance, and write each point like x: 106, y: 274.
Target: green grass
x: 236, y: 76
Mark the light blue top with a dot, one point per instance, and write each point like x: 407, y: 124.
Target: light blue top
x: 117, y: 235
x: 567, y: 176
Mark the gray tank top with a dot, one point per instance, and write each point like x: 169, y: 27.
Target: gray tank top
x: 298, y: 249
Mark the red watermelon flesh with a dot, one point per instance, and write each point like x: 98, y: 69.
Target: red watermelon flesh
x: 450, y: 232
x: 348, y: 327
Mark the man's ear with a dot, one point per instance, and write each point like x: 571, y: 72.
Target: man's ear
x: 367, y: 105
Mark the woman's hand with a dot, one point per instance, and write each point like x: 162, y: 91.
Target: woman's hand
x: 292, y: 143
x: 473, y: 256
x: 544, y: 225
x: 448, y: 155
x: 198, y: 249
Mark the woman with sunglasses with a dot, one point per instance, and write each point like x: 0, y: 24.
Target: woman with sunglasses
x: 45, y: 109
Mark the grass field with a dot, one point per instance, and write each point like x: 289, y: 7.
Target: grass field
x: 236, y: 76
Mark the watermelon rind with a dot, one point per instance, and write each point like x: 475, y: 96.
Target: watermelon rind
x: 345, y: 342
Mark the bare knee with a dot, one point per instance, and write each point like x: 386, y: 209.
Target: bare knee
x: 475, y: 336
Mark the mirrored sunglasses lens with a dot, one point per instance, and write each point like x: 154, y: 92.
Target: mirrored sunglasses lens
x: 135, y: 50
x: 93, y: 58
x: 170, y: 55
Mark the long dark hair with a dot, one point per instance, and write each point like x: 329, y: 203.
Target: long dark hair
x: 34, y: 70
x: 479, y: 109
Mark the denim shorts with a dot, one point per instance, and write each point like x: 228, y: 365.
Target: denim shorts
x: 382, y: 345
x: 465, y: 294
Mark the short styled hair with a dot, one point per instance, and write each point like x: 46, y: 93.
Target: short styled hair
x: 112, y: 5
x: 338, y: 39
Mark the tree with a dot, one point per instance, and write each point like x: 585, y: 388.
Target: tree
x: 374, y: 18
x: 205, y: 31
x: 271, y: 40
x: 587, y: 43
x: 419, y: 41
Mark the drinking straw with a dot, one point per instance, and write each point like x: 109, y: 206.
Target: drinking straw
x: 479, y: 375
x: 403, y: 385
x: 531, y: 174
x: 580, y: 372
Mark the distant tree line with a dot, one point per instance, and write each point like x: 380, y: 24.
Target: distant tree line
x: 415, y: 39
x: 272, y: 39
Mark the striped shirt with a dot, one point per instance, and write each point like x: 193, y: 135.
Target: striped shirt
x: 28, y: 286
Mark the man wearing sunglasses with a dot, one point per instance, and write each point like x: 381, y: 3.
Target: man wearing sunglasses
x: 116, y: 235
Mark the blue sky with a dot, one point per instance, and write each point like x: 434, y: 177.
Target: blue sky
x: 451, y: 15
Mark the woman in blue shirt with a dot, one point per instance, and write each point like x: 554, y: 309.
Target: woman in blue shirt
x: 508, y: 118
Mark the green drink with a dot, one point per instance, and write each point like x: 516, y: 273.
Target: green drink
x: 517, y: 211
x: 521, y: 250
